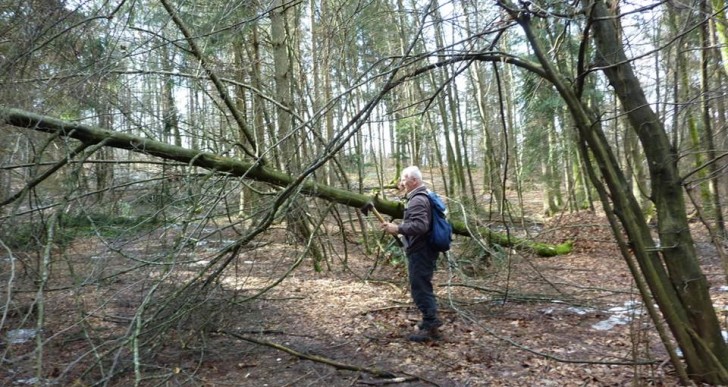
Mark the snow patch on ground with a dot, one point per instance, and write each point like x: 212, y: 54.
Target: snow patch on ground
x: 619, y: 315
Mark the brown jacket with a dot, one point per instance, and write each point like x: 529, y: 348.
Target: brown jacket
x: 416, y: 223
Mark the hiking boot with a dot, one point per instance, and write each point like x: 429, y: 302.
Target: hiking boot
x: 422, y: 325
x: 425, y: 335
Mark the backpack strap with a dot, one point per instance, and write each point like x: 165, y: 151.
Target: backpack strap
x: 429, y: 200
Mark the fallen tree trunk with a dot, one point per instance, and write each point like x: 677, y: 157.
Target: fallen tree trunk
x: 90, y: 135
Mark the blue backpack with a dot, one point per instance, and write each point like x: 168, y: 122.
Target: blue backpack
x: 440, y: 229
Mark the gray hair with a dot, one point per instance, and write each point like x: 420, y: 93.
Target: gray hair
x: 412, y: 171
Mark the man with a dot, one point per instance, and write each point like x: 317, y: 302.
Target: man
x: 421, y: 258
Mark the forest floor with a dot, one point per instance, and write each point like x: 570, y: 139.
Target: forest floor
x: 510, y: 320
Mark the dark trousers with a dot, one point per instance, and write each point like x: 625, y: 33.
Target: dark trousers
x: 421, y: 266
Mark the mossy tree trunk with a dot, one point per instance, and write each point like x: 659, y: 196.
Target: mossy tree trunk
x: 91, y: 135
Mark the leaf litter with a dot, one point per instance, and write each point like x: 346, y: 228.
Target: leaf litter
x: 569, y: 320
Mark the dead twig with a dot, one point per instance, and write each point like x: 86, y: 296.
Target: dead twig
x: 380, y: 382
x: 319, y: 359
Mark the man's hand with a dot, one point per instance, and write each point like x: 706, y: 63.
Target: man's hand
x: 390, y: 228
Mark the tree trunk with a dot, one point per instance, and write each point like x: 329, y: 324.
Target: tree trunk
x: 290, y: 150
x: 670, y: 268
x: 249, y: 170
x: 104, y: 171
x: 492, y: 173
x: 720, y: 30
x: 450, y: 103
x: 550, y: 171
x: 282, y: 76
x: 713, y: 202
x: 634, y: 159
x: 690, y: 315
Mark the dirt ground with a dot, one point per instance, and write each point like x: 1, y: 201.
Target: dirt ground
x: 511, y: 319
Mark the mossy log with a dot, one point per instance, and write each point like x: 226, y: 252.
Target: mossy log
x: 502, y: 239
x: 90, y: 135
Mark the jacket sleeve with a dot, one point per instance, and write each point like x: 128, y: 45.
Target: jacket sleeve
x: 417, y: 221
